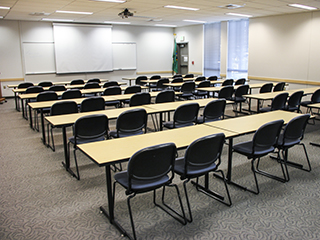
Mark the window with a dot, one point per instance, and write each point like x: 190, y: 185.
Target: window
x: 212, y: 36
x: 238, y: 33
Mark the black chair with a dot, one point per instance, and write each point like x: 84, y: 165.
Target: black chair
x: 31, y: 89
x: 227, y: 82
x: 154, y: 77
x: 138, y: 80
x: 262, y: 144
x: 240, y: 81
x: 45, y: 84
x: 278, y: 103
x: 200, y: 79
x: 294, y: 101
x: 130, y: 122
x: 25, y: 85
x: 184, y: 115
x: 187, y: 90
x: 212, y: 78
x: 238, y: 98
x: 279, y: 87
x: 202, y: 157
x: 130, y: 90
x: 177, y: 80
x: 200, y: 93
x: 139, y: 99
x: 159, y: 86
x: 110, y: 84
x: 109, y: 91
x: 92, y: 104
x: 264, y: 89
x: 96, y: 80
x: 60, y: 108
x: 176, y: 75
x: 226, y: 92
x: 291, y: 136
x: 91, y: 85
x: 315, y: 98
x: 44, y: 96
x: 88, y: 129
x: 77, y: 82
x: 150, y: 169
x: 190, y: 75
x: 213, y: 111
x: 57, y: 88
x: 71, y: 93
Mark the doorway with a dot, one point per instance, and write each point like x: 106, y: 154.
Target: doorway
x: 183, y: 58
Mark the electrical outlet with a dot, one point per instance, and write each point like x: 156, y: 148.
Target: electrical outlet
x: 4, y: 87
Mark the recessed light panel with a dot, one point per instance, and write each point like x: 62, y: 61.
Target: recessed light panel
x: 302, y: 6
x: 182, y: 8
x: 73, y: 12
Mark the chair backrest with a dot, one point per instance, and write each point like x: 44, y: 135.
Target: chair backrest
x: 188, y: 87
x: 77, y: 82
x: 92, y: 104
x: 204, y: 83
x: 176, y: 75
x: 139, y: 99
x: 165, y: 96
x: 190, y: 75
x: 177, y: 80
x: 240, y: 81
x: 241, y: 90
x: 25, y: 85
x: 132, y: 89
x: 132, y: 121
x: 45, y: 84
x: 64, y: 107
x: 226, y: 92
x: 186, y: 113
x: 114, y: 90
x: 212, y: 78
x: 295, y: 99
x: 151, y: 164
x: 34, y: 89
x: 91, y: 85
x: 315, y: 98
x: 97, y: 80
x: 202, y: 153
x: 139, y: 78
x: 47, y: 96
x: 227, y: 82
x: 71, y: 93
x: 57, y: 88
x: 110, y: 84
x: 214, y: 110
x: 279, y: 87
x: 155, y: 77
x: 279, y: 101
x: 294, y: 130
x: 161, y: 81
x: 266, y: 88
x: 199, y: 79
x: 265, y: 137
x: 91, y: 127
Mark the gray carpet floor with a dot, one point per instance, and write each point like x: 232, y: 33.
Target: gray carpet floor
x: 40, y: 200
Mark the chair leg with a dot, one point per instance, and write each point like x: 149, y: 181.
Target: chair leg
x: 264, y: 173
x: 76, y: 163
x: 180, y: 217
x: 300, y: 166
x: 131, y: 217
x: 52, y: 147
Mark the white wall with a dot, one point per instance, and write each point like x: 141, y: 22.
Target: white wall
x: 285, y: 47
x: 193, y: 35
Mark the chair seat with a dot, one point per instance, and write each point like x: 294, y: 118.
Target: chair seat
x: 265, y: 109
x: 305, y: 103
x: 238, y: 99
x: 201, y: 119
x: 291, y: 108
x: 245, y: 148
x: 81, y: 140
x: 170, y: 125
x: 288, y: 143
x: 140, y: 186
x: 114, y: 134
x: 192, y: 171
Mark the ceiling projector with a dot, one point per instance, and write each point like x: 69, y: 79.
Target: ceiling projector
x: 125, y: 14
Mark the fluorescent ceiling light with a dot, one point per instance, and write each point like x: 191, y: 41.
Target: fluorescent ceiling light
x: 239, y: 15
x: 117, y: 22
x: 182, y: 8
x: 165, y: 25
x: 1, y: 17
x: 114, y: 1
x: 57, y: 20
x: 195, y: 21
x: 73, y: 12
x: 7, y: 8
x: 302, y: 6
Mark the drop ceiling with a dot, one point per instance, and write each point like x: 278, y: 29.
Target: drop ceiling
x: 147, y: 12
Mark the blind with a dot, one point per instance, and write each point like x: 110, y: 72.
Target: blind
x: 238, y: 34
x: 212, y: 39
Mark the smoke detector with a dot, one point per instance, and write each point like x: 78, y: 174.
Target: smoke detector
x: 232, y: 6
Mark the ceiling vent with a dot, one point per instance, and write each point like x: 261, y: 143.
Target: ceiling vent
x: 232, y: 6
x: 39, y: 14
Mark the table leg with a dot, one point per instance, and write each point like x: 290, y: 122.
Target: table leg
x: 229, y: 160
x: 30, y: 118
x: 16, y: 102
x: 23, y: 111
x: 42, y: 127
x: 160, y: 122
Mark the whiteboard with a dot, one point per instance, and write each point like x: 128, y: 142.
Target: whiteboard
x: 124, y: 56
x: 39, y: 57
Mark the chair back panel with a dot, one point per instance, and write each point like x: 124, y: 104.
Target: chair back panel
x: 90, y: 127
x: 315, y: 98
x: 47, y: 96
x: 188, y: 87
x: 57, y: 88
x: 186, y: 113
x: 295, y: 99
x: 34, y: 89
x: 110, y: 84
x: 45, y: 84
x: 279, y: 101
x: 214, y: 109
x: 25, y: 85
x: 65, y: 107
x: 77, y: 82
x: 165, y: 96
x: 139, y: 78
x: 96, y: 80
x: 199, y: 79
x: 242, y: 90
x: 139, y: 99
x: 227, y: 82
x: 294, y: 130
x: 92, y: 104
x: 204, y: 83
x: 71, y: 93
x: 240, y: 81
x: 155, y: 77
x: 266, y: 88
x: 91, y: 85
x: 132, y: 89
x: 131, y: 121
x: 226, y: 92
x: 212, y: 78
x: 177, y: 80
x: 113, y: 90
x: 279, y: 86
